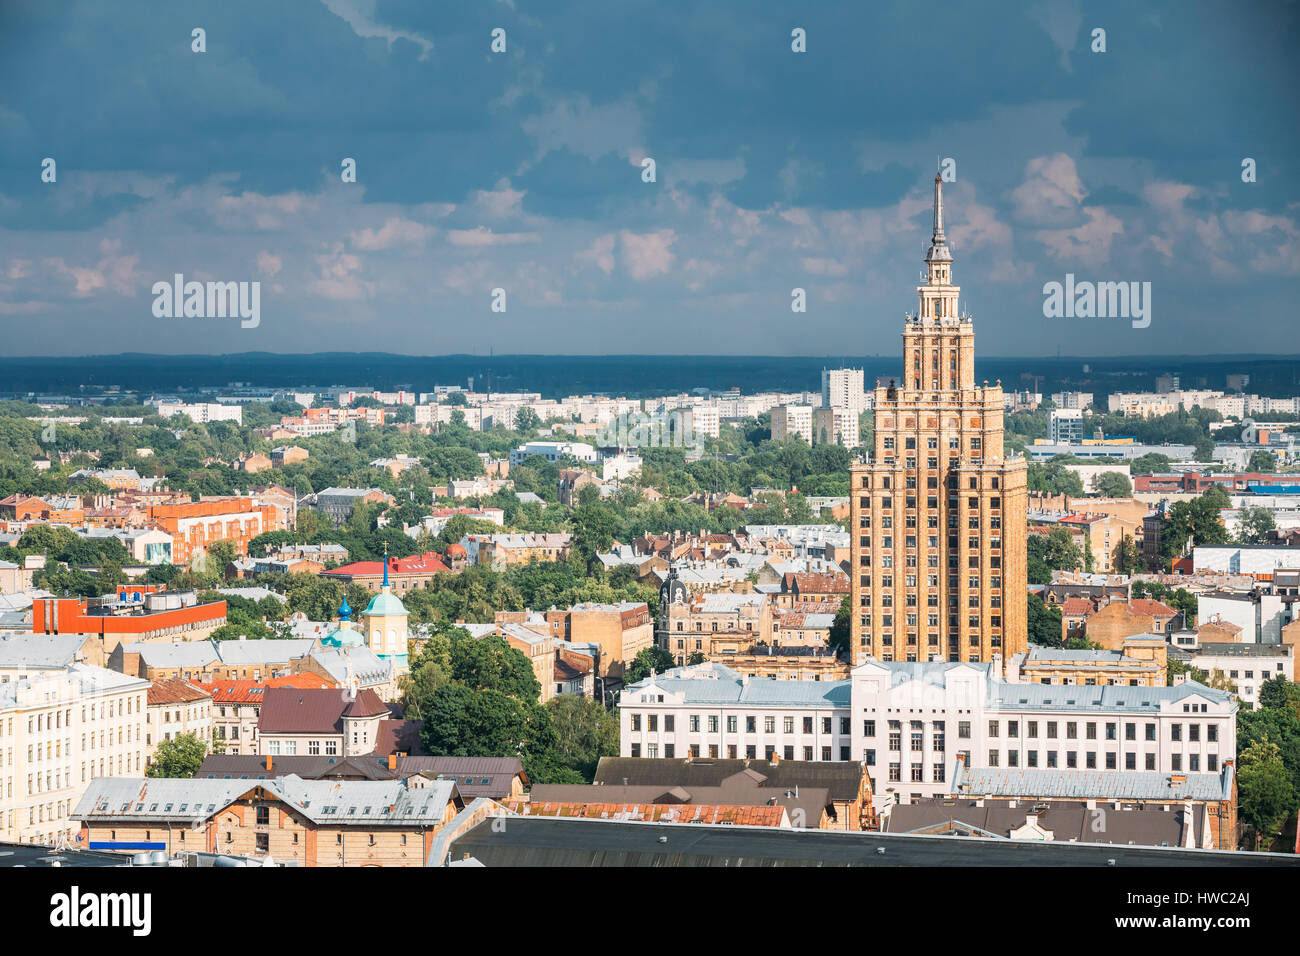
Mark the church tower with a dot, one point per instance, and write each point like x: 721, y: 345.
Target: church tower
x: 937, y: 511
x: 386, y: 624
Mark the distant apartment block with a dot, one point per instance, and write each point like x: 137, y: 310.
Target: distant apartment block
x: 792, y: 421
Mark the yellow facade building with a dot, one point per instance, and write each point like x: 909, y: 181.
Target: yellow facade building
x: 938, y: 511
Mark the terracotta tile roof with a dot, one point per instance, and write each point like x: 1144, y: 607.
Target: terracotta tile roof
x: 428, y: 563
x: 254, y: 692
x: 1076, y: 607
x: 1151, y: 608
x: 175, y: 691
x: 816, y: 583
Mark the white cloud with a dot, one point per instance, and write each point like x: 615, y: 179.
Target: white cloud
x: 339, y: 276
x: 394, y: 232
x: 600, y: 254
x: 483, y: 236
x: 1088, y: 244
x: 501, y: 201
x: 268, y: 264
x: 1052, y: 193
x: 360, y: 16
x: 648, y: 255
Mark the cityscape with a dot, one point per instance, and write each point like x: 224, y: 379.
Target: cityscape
x: 646, y: 510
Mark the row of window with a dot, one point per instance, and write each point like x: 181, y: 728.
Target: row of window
x: 712, y: 722
x: 750, y: 752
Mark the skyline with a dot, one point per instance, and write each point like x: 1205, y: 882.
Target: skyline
x: 522, y: 171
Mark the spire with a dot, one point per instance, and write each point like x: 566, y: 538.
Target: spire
x: 385, y: 565
x: 344, y: 609
x: 938, y: 243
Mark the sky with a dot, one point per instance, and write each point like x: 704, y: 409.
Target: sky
x: 523, y: 171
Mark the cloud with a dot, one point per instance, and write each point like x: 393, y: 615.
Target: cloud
x: 573, y: 123
x: 600, y: 254
x: 394, y: 232
x: 501, y: 201
x: 484, y: 236
x: 1051, y: 194
x: 649, y: 255
x: 340, y: 276
x: 823, y: 267
x: 360, y: 16
x: 269, y: 265
x: 1088, y: 244
x: 113, y: 273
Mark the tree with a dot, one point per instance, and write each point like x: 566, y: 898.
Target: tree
x: 1128, y: 556
x: 1254, y: 525
x: 1278, y: 692
x: 1113, y: 484
x: 179, y: 757
x: 1197, y: 521
x: 489, y: 663
x: 584, y: 732
x: 1056, y: 550
x: 841, y: 629
x: 653, y: 658
x: 1262, y: 461
x: 1266, y: 794
x: 526, y: 420
x: 1044, y: 623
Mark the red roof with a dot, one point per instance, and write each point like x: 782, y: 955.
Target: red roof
x: 427, y: 563
x: 175, y: 691
x: 1074, y: 607
x: 456, y: 548
x: 254, y: 691
x: 1149, y: 607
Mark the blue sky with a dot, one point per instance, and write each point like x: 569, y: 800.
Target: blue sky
x: 522, y: 170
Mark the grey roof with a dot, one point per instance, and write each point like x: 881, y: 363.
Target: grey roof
x: 372, y: 802
x: 179, y: 654
x: 1242, y: 650
x: 713, y: 683
x: 549, y: 841
x: 252, y: 594
x: 1071, y: 820
x: 1085, y: 784
x: 1109, y: 697
x: 40, y: 650
x: 90, y: 681
x: 367, y: 667
x: 1037, y: 653
x: 269, y: 651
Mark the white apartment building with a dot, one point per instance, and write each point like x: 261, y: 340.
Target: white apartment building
x: 844, y: 388
x: 553, y: 451
x: 1079, y: 400
x: 792, y: 421
x: 202, y: 412
x: 59, y: 731
x: 909, y: 721
x: 1065, y: 425
x: 1246, y: 665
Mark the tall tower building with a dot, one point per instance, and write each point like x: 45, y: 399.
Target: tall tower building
x: 938, y: 512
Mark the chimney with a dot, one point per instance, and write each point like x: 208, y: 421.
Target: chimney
x: 392, y: 761
x: 268, y: 763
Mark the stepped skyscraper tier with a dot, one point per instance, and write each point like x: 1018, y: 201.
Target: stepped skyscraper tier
x: 938, y: 511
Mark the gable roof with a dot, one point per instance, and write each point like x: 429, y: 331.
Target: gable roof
x: 841, y: 779
x: 292, y: 710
